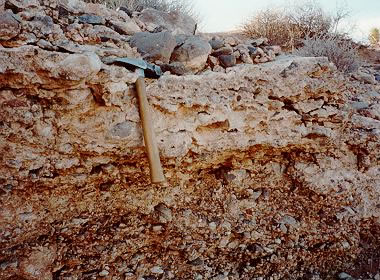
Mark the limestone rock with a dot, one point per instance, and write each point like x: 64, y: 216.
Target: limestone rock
x: 259, y: 42
x: 154, y: 46
x: 364, y: 77
x: 222, y: 51
x: 38, y: 264
x: 91, y: 19
x: 174, y: 22
x: 127, y: 28
x: 99, y: 33
x: 98, y: 10
x: 9, y: 26
x: 193, y: 53
x: 21, y: 5
x: 276, y: 163
x: 126, y: 10
x: 232, y: 41
x: 213, y: 61
x: 227, y: 60
x: 216, y: 43
x: 175, y: 68
x: 276, y: 49
x: 244, y: 53
x: 78, y: 66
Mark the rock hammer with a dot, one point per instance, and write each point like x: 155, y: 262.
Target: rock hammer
x: 145, y: 69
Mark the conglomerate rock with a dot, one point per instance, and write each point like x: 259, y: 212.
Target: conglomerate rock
x: 272, y: 169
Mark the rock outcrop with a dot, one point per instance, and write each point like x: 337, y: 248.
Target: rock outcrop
x: 272, y: 169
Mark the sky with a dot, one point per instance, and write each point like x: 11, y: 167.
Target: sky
x: 227, y: 15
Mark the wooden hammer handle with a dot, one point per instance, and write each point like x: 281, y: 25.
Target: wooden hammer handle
x: 156, y: 173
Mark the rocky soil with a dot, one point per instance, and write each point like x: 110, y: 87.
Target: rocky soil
x: 272, y: 163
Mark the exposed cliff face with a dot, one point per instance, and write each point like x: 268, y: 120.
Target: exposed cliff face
x: 273, y: 171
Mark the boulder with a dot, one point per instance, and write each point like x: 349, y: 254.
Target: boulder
x: 65, y: 7
x: 259, y: 42
x: 9, y: 26
x: 364, y: 77
x: 246, y: 58
x: 19, y: 5
x: 193, y: 53
x: 271, y: 55
x: 99, y: 33
x: 91, y: 19
x: 154, y: 46
x: 276, y: 49
x: 175, y: 68
x: 102, y: 11
x: 261, y: 59
x: 78, y: 66
x: 175, y: 22
x: 216, y: 43
x: 43, y: 26
x: 127, y: 28
x: 227, y: 60
x: 256, y: 52
x: 213, y: 61
x: 222, y: 51
x: 126, y: 10
x: 232, y: 41
x: 244, y: 53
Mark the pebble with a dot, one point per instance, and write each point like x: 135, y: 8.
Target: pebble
x: 165, y: 213
x: 345, y: 245
x: 377, y: 77
x: 360, y: 105
x: 129, y: 276
x: 157, y: 270
x: 103, y: 273
x: 344, y: 275
x: 283, y: 228
x: 157, y: 228
x: 212, y: 226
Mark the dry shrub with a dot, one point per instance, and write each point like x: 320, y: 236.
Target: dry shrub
x: 338, y: 49
x: 272, y: 24
x: 288, y: 27
x: 183, y: 6
x: 374, y: 36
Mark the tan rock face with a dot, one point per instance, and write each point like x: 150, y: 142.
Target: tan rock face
x: 272, y: 169
x: 283, y: 166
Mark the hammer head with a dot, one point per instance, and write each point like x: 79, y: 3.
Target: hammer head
x: 141, y: 66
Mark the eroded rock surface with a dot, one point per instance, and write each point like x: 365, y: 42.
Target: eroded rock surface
x: 272, y: 169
